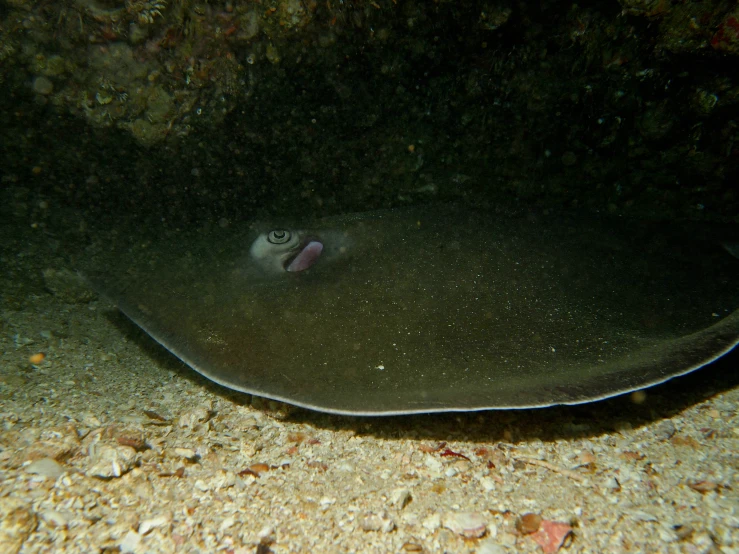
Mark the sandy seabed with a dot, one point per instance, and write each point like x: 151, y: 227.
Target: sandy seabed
x: 110, y: 444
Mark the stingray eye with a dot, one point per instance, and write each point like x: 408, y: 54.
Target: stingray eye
x: 278, y: 237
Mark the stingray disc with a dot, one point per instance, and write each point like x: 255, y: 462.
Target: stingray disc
x: 433, y: 309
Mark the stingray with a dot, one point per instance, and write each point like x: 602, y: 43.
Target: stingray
x: 432, y: 309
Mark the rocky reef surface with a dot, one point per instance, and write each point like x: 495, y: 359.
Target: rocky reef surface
x: 207, y: 109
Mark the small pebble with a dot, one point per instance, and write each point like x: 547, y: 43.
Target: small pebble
x: 488, y: 483
x: 467, y: 524
x: 377, y: 522
x: 46, y: 467
x: 37, y: 358
x: 266, y: 533
x: 434, y: 465
x: 401, y: 497
x: 55, y: 519
x: 683, y: 531
x: 528, y: 523
x: 612, y: 484
x: 186, y: 453
x: 432, y: 523
x: 489, y: 546
x: 641, y: 515
x: 151, y: 523
x: 326, y: 502
x: 130, y: 543
x: 42, y: 85
x: 664, y: 430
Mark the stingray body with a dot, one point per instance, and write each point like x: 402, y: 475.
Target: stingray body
x: 433, y: 308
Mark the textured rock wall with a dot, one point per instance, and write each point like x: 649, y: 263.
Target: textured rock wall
x: 211, y: 109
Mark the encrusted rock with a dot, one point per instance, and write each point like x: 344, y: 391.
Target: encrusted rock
x: 195, y: 417
x: 110, y: 461
x: 128, y: 436
x: 59, y: 448
x: 67, y: 285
